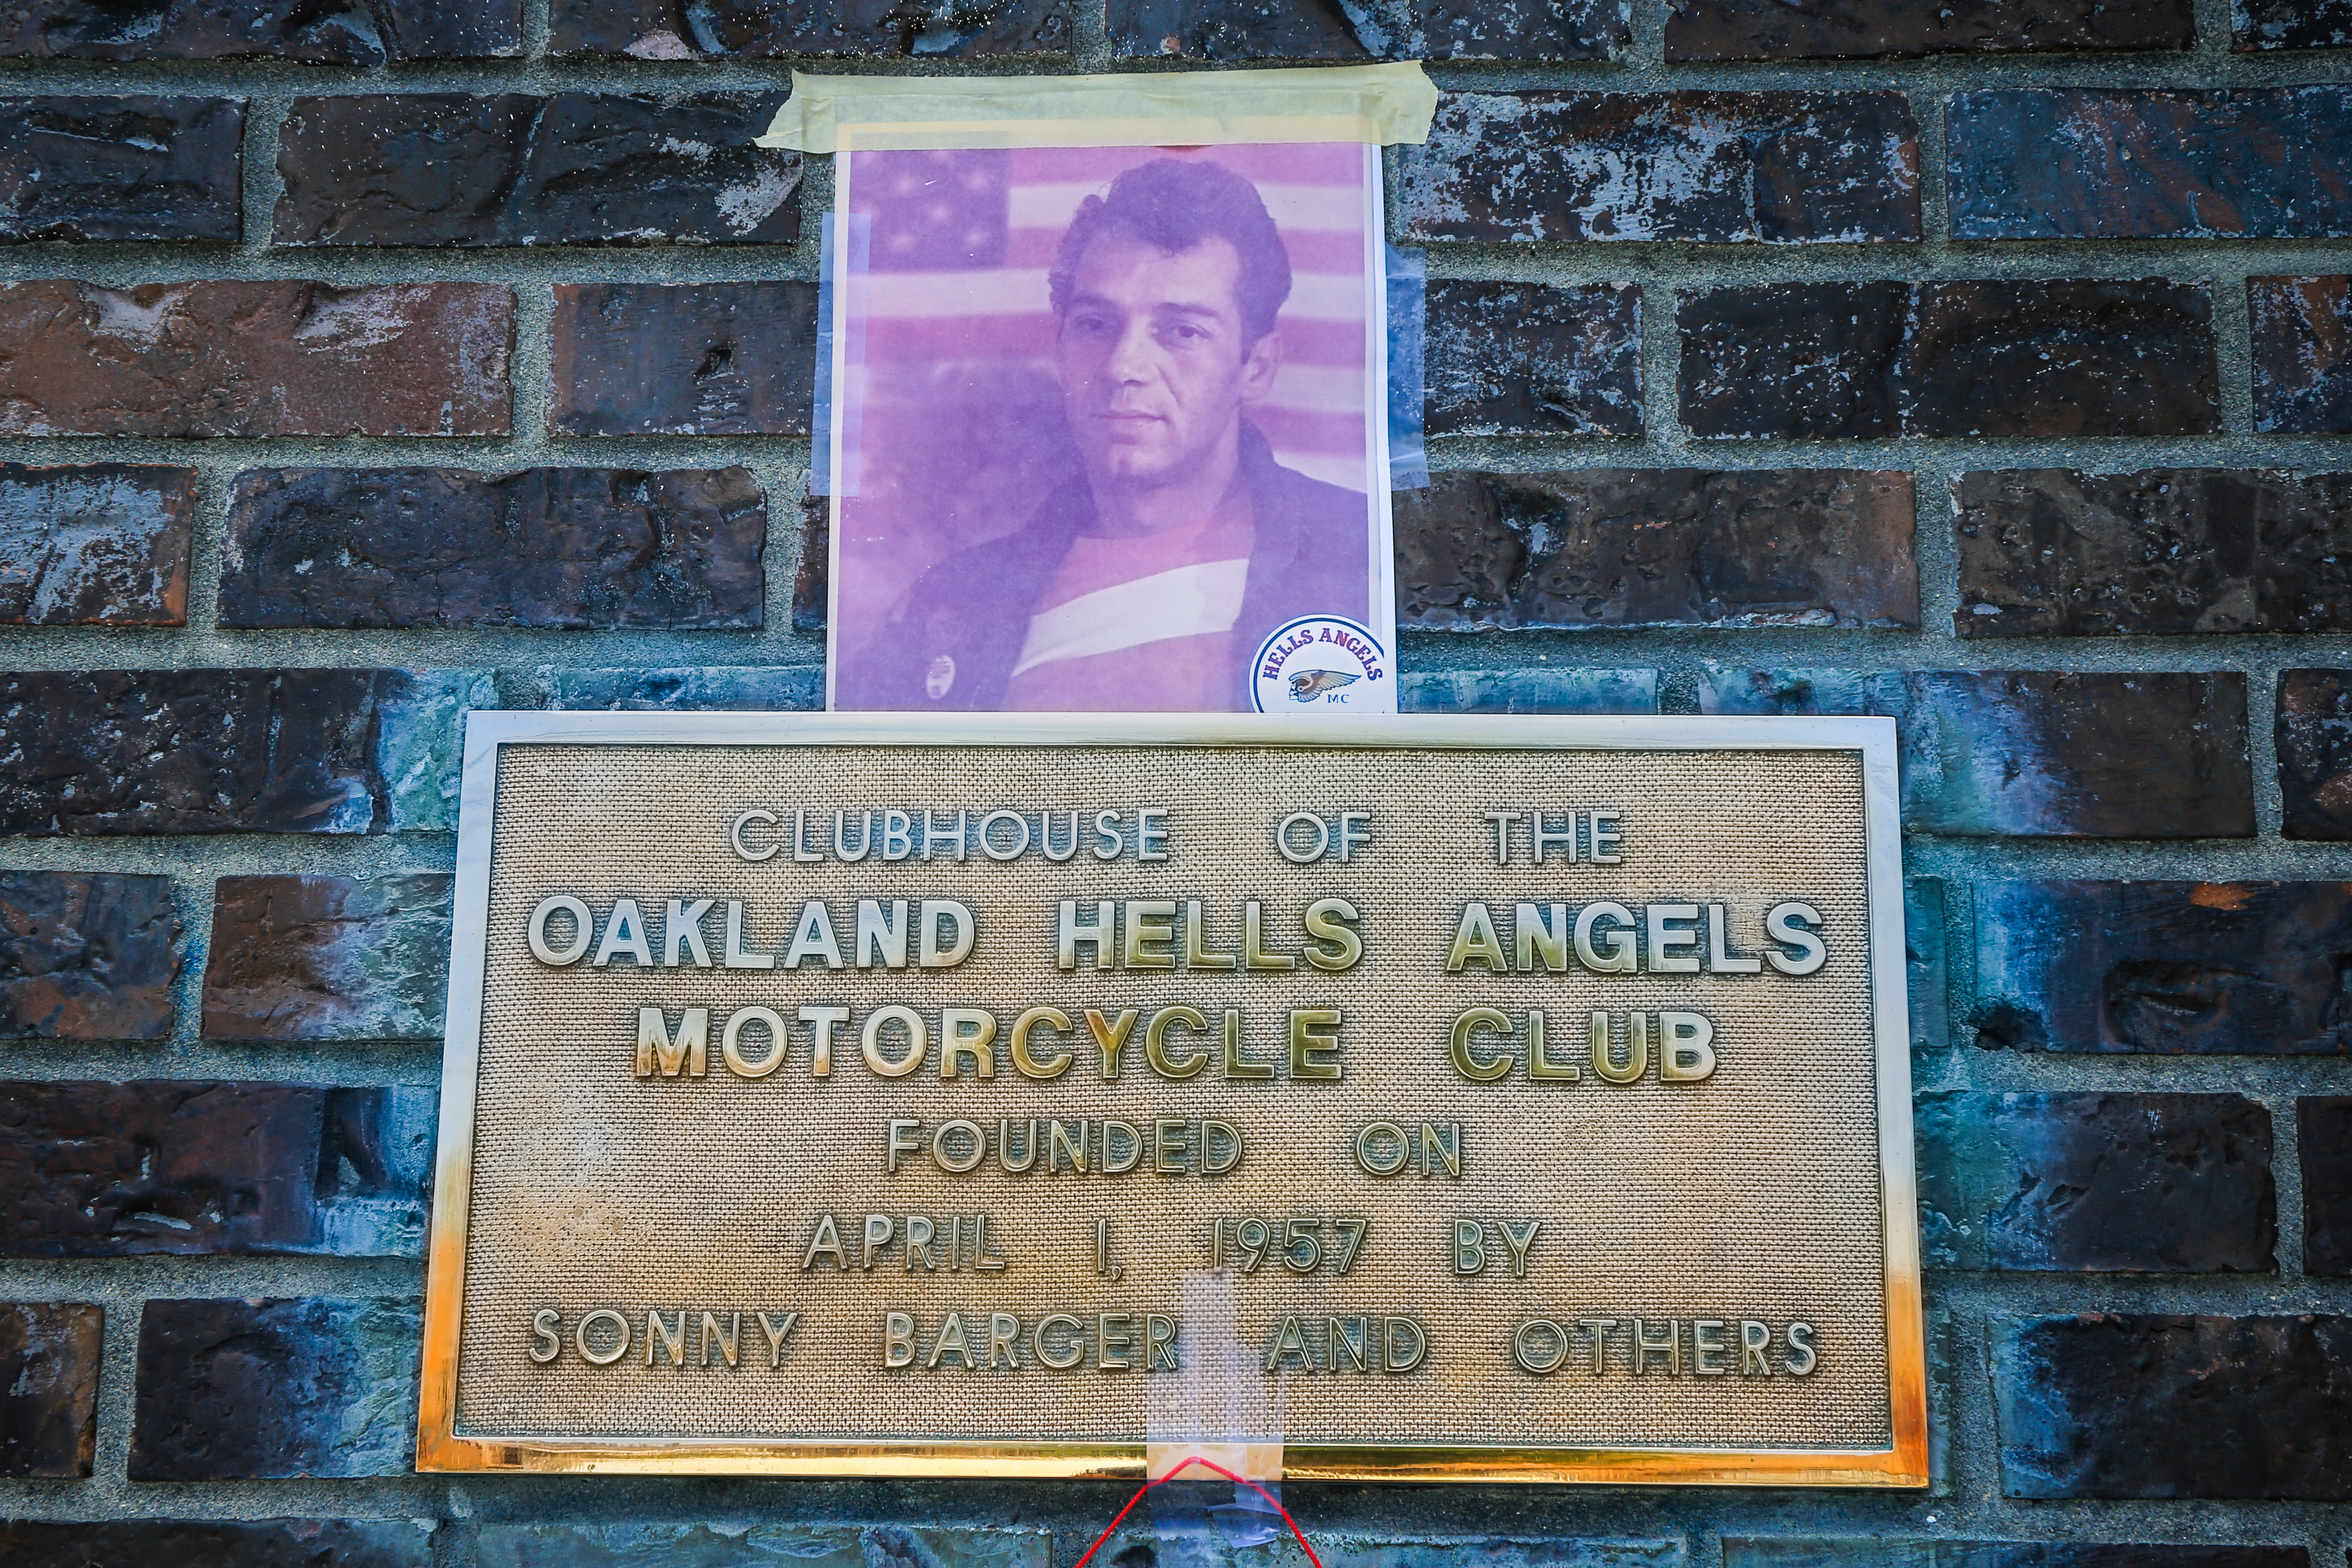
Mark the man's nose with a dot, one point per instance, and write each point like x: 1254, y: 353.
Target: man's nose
x: 1130, y: 355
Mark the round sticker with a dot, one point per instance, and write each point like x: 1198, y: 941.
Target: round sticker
x: 1318, y: 663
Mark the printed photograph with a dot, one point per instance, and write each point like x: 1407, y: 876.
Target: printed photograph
x: 1107, y: 432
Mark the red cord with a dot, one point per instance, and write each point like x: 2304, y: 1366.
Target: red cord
x: 1191, y: 1460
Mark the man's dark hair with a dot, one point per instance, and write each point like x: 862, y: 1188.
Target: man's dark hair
x: 1176, y: 204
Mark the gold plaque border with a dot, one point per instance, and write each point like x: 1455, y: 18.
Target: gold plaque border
x: 1904, y: 1463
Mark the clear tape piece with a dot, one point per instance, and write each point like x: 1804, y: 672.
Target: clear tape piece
x: 841, y: 249
x: 1408, y: 316
x: 1223, y: 1408
x: 820, y: 481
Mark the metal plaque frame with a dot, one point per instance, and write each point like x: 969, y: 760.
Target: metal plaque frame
x: 1904, y: 1463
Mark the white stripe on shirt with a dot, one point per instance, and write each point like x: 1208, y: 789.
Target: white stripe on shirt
x: 1186, y: 602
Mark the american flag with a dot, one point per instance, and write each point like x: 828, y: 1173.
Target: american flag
x: 947, y: 390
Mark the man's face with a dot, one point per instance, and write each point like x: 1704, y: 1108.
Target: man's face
x: 1155, y: 371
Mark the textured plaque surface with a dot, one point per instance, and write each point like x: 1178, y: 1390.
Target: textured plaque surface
x: 1736, y: 1205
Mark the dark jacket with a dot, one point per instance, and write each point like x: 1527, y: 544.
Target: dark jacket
x: 1312, y: 557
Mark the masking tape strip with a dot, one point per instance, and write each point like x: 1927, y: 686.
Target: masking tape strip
x: 1381, y: 104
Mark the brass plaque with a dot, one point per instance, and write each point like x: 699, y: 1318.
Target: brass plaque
x: 1517, y: 1098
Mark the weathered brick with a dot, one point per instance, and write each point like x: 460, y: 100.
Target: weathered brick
x: 120, y: 168
x: 2323, y: 1134
x: 237, y: 1390
x: 230, y: 751
x: 1891, y: 1551
x: 1772, y: 168
x: 682, y: 359
x: 1776, y: 693
x: 102, y: 544
x: 754, y: 29
x: 1528, y: 359
x: 2153, y: 1184
x: 2110, y: 163
x: 2039, y: 753
x: 86, y: 955
x: 362, y: 35
x: 1235, y: 30
x: 1772, y: 29
x: 566, y: 168
x: 2033, y: 357
x: 2162, y: 552
x: 2312, y: 733
x: 254, y: 359
x: 241, y: 1543
x: 1649, y: 547
x: 793, y: 688
x: 328, y: 958
x: 1926, y: 962
x: 49, y: 1391
x: 537, y: 547
x: 2303, y: 354
x: 2162, y: 967
x: 1545, y: 30
x: 420, y: 735
x: 2165, y: 1406
x: 193, y: 1166
x: 1384, y: 29
x: 1528, y: 690
x: 2290, y: 24
x: 626, y: 1545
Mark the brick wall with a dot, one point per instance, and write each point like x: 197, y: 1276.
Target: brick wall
x: 1982, y: 363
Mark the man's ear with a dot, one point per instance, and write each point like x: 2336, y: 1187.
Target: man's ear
x: 1260, y: 366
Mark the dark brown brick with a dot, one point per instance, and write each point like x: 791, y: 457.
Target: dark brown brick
x: 231, y: 1390
x: 242, y: 1544
x: 87, y: 955
x: 1772, y: 29
x: 538, y: 547
x: 328, y: 958
x: 755, y: 29
x: 2313, y: 737
x: 2047, y: 754
x: 360, y: 35
x: 2303, y: 354
x: 2290, y: 24
x: 1546, y: 30
x: 195, y: 1166
x: 199, y: 751
x: 1772, y: 168
x: 102, y: 545
x: 568, y: 168
x: 1636, y: 547
x: 49, y: 1391
x: 2152, y: 1183
x: 1235, y: 30
x: 2163, y: 552
x: 1528, y: 359
x: 254, y: 359
x: 2162, y: 1405
x: 2043, y: 357
x: 2116, y: 164
x: 2163, y: 968
x: 1385, y: 29
x: 2323, y: 1125
x: 682, y: 359
x: 120, y: 168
